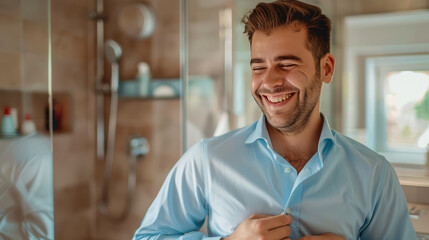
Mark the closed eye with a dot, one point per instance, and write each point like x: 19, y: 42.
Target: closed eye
x: 287, y: 65
x: 258, y: 69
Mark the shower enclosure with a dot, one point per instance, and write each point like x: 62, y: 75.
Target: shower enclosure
x: 215, y: 69
x: 26, y: 168
x: 204, y: 60
x: 208, y: 82
x: 198, y: 60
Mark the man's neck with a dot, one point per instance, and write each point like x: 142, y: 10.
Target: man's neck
x: 297, y: 148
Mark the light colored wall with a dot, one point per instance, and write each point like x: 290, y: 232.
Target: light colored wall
x: 74, y: 150
x: 345, y: 8
x: 158, y: 120
x: 77, y: 174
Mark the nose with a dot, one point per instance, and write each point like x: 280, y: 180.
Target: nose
x: 273, y: 78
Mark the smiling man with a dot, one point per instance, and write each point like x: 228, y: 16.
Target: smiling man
x: 288, y: 175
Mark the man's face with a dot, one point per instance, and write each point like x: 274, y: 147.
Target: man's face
x: 285, y: 81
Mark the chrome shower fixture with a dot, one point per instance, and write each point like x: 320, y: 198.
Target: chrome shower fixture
x: 112, y: 51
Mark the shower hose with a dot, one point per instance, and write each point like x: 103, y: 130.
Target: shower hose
x: 104, y: 202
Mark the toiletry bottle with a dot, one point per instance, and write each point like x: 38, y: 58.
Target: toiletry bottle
x: 28, y: 126
x: 7, y: 126
x: 14, y: 114
x: 143, y: 79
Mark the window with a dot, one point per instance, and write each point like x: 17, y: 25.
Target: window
x: 397, y: 107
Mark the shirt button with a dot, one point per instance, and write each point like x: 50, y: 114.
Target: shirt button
x: 288, y: 211
x: 287, y: 170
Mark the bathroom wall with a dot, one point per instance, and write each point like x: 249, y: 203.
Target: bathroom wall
x: 157, y: 120
x: 24, y: 58
x: 77, y: 173
x: 74, y: 150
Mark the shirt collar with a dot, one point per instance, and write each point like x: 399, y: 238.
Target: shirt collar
x: 326, y: 133
x: 260, y: 132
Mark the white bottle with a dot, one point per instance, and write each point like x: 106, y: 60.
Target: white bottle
x: 7, y: 125
x: 14, y: 114
x: 28, y: 126
x: 143, y: 79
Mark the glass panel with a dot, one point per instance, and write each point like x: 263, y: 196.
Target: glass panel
x: 26, y: 186
x: 206, y: 74
x: 407, y: 107
x: 217, y: 69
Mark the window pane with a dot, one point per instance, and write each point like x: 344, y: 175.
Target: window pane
x: 407, y: 109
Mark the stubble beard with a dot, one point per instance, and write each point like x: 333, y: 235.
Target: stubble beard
x: 298, y: 119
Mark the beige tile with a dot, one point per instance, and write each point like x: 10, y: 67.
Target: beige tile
x: 70, y: 16
x: 66, y: 44
x: 10, y: 68
x: 35, y: 38
x: 68, y: 74
x: 73, y: 158
x: 70, y: 168
x: 35, y: 72
x: 107, y: 229
x: 165, y: 52
x: 10, y: 7
x: 75, y: 226
x: 159, y: 122
x: 10, y: 39
x: 70, y: 200
x: 35, y: 11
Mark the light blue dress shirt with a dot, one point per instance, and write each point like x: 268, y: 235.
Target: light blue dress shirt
x: 345, y: 188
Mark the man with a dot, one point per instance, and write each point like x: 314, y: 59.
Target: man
x: 287, y: 176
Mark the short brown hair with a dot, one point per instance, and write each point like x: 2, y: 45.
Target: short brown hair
x: 267, y: 16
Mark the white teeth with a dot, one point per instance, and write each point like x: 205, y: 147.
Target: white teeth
x: 279, y: 99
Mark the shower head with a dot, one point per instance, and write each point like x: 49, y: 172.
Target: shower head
x: 112, y: 51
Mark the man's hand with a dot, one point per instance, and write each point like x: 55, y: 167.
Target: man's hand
x: 327, y: 236
x: 263, y: 227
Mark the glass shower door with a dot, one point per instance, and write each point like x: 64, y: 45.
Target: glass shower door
x: 215, y: 69
x: 26, y: 192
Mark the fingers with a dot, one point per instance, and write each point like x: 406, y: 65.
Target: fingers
x: 279, y: 233
x: 272, y: 222
x: 258, y: 216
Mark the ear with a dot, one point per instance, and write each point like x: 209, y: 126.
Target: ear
x: 327, y: 66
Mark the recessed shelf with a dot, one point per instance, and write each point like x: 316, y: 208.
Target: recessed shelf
x: 147, y: 98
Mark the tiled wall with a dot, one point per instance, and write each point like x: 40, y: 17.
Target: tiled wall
x: 24, y: 45
x: 77, y: 174
x: 74, y: 198
x: 158, y: 120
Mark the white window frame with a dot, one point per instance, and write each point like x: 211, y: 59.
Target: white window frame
x: 376, y: 118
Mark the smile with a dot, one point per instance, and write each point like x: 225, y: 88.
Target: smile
x: 277, y: 99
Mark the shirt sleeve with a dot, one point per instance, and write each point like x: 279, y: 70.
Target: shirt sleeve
x: 389, y: 218
x: 180, y: 208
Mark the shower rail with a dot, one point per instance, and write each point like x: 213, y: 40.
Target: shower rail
x: 112, y: 51
x: 138, y: 146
